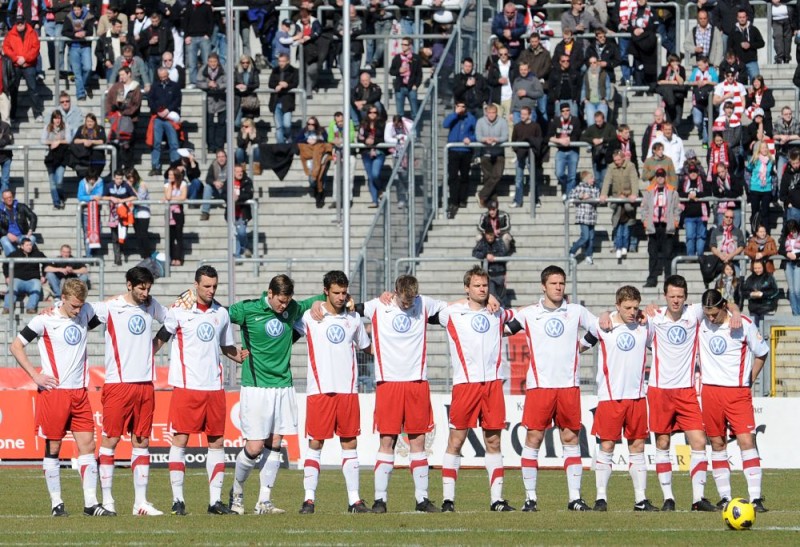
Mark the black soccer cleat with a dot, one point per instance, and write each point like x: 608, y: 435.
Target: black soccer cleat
x: 379, y: 506
x: 758, y: 505
x: 358, y: 507
x: 669, y: 505
x: 530, y: 506
x: 722, y: 503
x: 424, y: 506
x: 448, y: 506
x: 98, y: 510
x: 600, y: 505
x: 219, y: 508
x: 178, y: 508
x: 578, y: 505
x: 501, y: 506
x: 645, y: 505
x: 704, y: 506
x: 307, y: 508
x: 59, y: 511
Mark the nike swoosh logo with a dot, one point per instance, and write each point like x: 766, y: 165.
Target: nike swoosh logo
x: 258, y: 318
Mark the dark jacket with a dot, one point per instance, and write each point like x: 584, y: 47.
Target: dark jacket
x: 724, y: 14
x: 531, y: 133
x: 500, y: 23
x: 701, y: 188
x: 496, y: 248
x: 165, y: 40
x: 73, y: 24
x: 576, y: 57
x: 539, y: 62
x: 753, y: 36
x: 25, y: 271
x: 245, y: 193
x: 616, y: 144
x: 609, y: 53
x: 493, y: 81
x: 371, y: 94
x: 790, y: 187
x: 285, y: 97
x: 733, y: 193
x: 563, y: 85
x: 501, y: 226
x: 26, y: 219
x: 414, y: 80
x: 198, y: 20
x: 474, y: 96
x: 165, y: 94
x: 765, y: 283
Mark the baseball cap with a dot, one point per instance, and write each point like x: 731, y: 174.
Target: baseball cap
x: 19, y: 19
x: 758, y: 112
x: 691, y: 154
x: 491, y: 204
x: 286, y: 22
x: 564, y: 106
x: 730, y: 70
x: 661, y: 172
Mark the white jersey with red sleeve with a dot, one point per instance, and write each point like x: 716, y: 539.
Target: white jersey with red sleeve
x: 194, y: 358
x: 553, y: 337
x: 399, y: 337
x: 332, y: 343
x: 129, y: 347
x: 675, y: 346
x: 621, y: 360
x: 726, y: 355
x: 475, y: 338
x: 62, y: 344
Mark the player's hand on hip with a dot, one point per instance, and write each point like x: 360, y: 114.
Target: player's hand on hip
x: 45, y: 381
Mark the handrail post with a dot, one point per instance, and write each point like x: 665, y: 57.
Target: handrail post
x: 410, y: 198
x: 532, y: 182
x: 59, y: 47
x: 566, y: 226
x: 79, y: 229
x: 25, y: 173
x: 167, y: 257
x: 256, y: 250
x: 12, y: 325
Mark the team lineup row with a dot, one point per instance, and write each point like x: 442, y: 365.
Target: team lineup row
x: 729, y: 348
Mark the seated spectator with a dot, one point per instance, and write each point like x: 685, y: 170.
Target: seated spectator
x: 621, y: 182
x: 306, y: 35
x: 498, y: 222
x: 215, y: 182
x: 109, y: 46
x: 90, y: 189
x: 28, y: 278
x: 83, y: 150
x: 141, y: 212
x: 176, y: 73
x: 188, y: 165
x: 315, y: 155
x: 366, y: 95
x: 370, y: 133
x: 693, y: 186
x: 119, y: 195
x: 242, y: 193
x: 729, y: 284
x: 175, y: 192
x: 760, y: 96
x: 585, y: 216
x: 282, y: 81
x: 211, y: 79
x: 471, y: 87
x: 78, y: 27
x: 407, y: 72
x: 489, y: 248
x: 139, y: 70
x: 337, y: 133
x: 509, y: 27
x: 761, y: 292
x: 726, y: 241
x: 246, y: 82
x: 761, y: 182
x: 247, y: 142
x: 595, y: 91
x: 154, y: 41
x: 17, y: 220
x: 672, y: 88
x: 57, y: 273
x: 54, y: 135
x: 762, y: 247
x: 123, y: 103
x: 165, y: 107
x: 599, y: 135
x: 398, y: 134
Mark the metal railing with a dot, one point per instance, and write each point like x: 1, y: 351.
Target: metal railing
x: 683, y: 259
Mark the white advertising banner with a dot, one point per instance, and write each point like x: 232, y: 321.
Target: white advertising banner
x: 776, y: 437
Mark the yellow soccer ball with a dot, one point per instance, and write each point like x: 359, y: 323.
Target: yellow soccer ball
x: 739, y: 514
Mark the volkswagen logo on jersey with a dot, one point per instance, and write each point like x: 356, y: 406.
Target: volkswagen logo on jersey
x: 335, y: 334
x: 401, y: 323
x: 554, y: 328
x: 205, y: 332
x: 274, y: 327
x: 72, y: 335
x: 626, y: 341
x: 717, y: 345
x: 480, y: 323
x: 676, y: 334
x: 136, y: 324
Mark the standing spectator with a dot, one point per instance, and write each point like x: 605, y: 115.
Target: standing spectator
x: 498, y: 222
x: 527, y: 90
x: 786, y: 132
x: 315, y: 156
x: 536, y: 22
x: 57, y: 273
x: 761, y: 292
x: 498, y: 76
x: 28, y: 278
x: 109, y: 47
x: 732, y: 62
x: 281, y: 103
x: 760, y: 96
x: 379, y: 20
x: 176, y: 72
x: 564, y: 132
x: 17, y: 220
x: 119, y: 194
x: 661, y: 218
x: 599, y: 136
x: 190, y: 168
x: 724, y: 185
x: 242, y: 193
x: 726, y: 241
x: 53, y: 27
x: 671, y: 86
x: 540, y: 64
x: 78, y: 27
x: 357, y: 28
x: 338, y: 131
x: 527, y: 131
x: 585, y: 216
x: 247, y: 144
x: 719, y: 153
x: 790, y: 187
x: 211, y: 79
x: 197, y: 23
x: 564, y: 87
x: 578, y: 19
x: 621, y: 182
x: 702, y: 80
x: 704, y: 40
x: 595, y: 91
x: 762, y: 178
x: 89, y: 135
x: 746, y: 40
x: 141, y: 212
x: 730, y: 90
x: 21, y: 46
x: 782, y: 31
x: 245, y: 87
x: 175, y: 192
x: 461, y: 129
x: 569, y: 47
x: 54, y: 135
x: 90, y: 188
x: 306, y: 35
x: 214, y: 188
x: 366, y: 95
x: 673, y: 145
x: 729, y: 284
x: 489, y: 248
x: 726, y: 17
x: 398, y: 133
x: 491, y: 131
x: 407, y: 71
x: 165, y: 106
x: 626, y: 144
x: 370, y: 133
x: 694, y: 213
x: 509, y: 27
x: 122, y: 105
x: 136, y: 26
x: 644, y: 44
x: 790, y: 248
x: 606, y: 51
x: 154, y: 41
x: 762, y: 247
x: 652, y: 131
x: 471, y: 88
x: 657, y: 161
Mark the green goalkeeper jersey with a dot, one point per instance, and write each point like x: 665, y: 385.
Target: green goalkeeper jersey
x: 268, y: 336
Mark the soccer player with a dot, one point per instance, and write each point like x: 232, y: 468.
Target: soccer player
x: 267, y: 403
x: 128, y: 393
x: 730, y: 361
x: 621, y: 394
x: 195, y: 372
x: 332, y: 402
x: 475, y: 336
x: 552, y: 384
x: 402, y: 398
x: 63, y: 402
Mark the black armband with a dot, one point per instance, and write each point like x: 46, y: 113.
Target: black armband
x: 28, y: 334
x: 94, y: 322
x: 163, y: 334
x: 514, y: 326
x: 589, y: 340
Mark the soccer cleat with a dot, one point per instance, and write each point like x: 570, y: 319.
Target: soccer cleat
x: 307, y: 508
x: 669, y: 505
x: 530, y: 506
x: 358, y: 507
x: 379, y: 506
x: 146, y: 509
x: 236, y: 502
x: 645, y: 505
x: 722, y: 503
x: 266, y: 508
x: 758, y: 505
x: 600, y: 505
x: 424, y: 506
x: 219, y: 508
x: 178, y: 508
x: 578, y: 505
x: 98, y: 510
x: 448, y: 506
x: 59, y: 511
x: 501, y: 506
x: 705, y: 506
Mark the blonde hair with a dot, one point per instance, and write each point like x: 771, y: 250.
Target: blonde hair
x: 757, y: 151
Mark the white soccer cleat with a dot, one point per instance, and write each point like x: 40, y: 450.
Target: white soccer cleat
x: 267, y: 508
x: 146, y: 509
x: 236, y: 503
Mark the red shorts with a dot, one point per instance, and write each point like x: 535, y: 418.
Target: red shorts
x: 482, y: 401
x: 544, y: 405
x: 196, y: 411
x: 728, y: 407
x: 403, y: 407
x: 611, y: 416
x: 674, y: 410
x: 128, y: 408
x: 333, y: 412
x: 62, y: 410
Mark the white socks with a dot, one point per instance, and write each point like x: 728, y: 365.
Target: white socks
x: 698, y: 465
x: 384, y: 465
x: 419, y: 470
x: 721, y: 471
x: 87, y: 466
x: 664, y: 472
x: 573, y: 467
x: 140, y: 465
x: 52, y: 477
x: 269, y: 473
x: 751, y: 465
x: 602, y: 473
x: 215, y: 467
x: 530, y: 471
x: 311, y: 473
x: 177, y: 471
x: 350, y: 472
x: 638, y: 472
x: 106, y: 468
x: 450, y: 465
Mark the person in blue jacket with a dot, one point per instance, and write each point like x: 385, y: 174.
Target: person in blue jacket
x: 459, y: 158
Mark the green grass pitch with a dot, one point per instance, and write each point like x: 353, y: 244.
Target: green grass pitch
x: 24, y: 513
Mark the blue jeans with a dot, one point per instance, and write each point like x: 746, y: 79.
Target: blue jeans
x: 700, y: 120
x: 599, y: 173
x: 56, y: 182
x: 585, y: 241
x: 752, y: 71
x: 32, y: 288
x: 541, y: 108
x: 55, y: 282
x: 400, y: 96
x: 241, y: 236
x: 5, y: 177
x: 589, y: 110
x: 793, y: 286
x: 695, y: 235
x: 161, y: 128
x: 211, y: 192
x: 566, y: 169
x: 53, y: 29
x: 283, y: 124
x: 792, y: 213
x: 520, y: 181
x: 622, y: 236
x: 204, y: 46
x: 220, y: 45
x: 241, y: 155
x: 9, y: 247
x: 80, y: 62
x: 373, y: 166
x: 195, y: 189
x: 623, y: 55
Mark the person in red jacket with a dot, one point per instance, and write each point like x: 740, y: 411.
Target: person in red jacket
x: 21, y: 46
